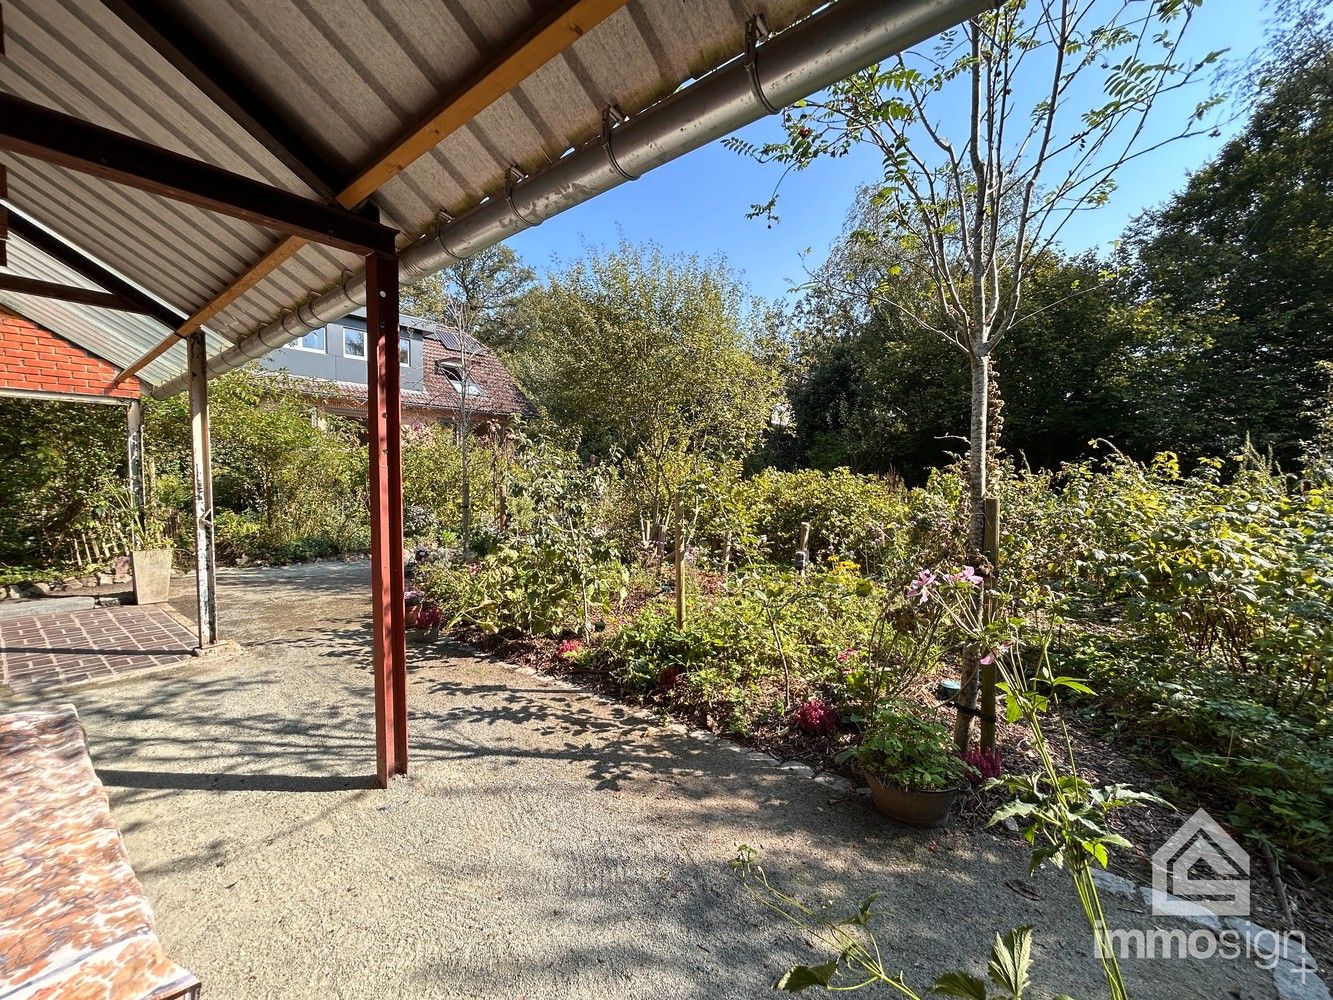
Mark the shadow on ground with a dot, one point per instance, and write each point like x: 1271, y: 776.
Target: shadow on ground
x: 544, y: 845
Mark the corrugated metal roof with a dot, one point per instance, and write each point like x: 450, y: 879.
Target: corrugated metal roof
x: 349, y: 76
x: 117, y: 336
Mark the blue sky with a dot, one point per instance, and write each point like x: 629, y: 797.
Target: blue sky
x: 698, y: 203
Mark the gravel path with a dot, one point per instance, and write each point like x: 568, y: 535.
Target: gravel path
x: 544, y: 845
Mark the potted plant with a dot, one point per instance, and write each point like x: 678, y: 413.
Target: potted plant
x: 912, y: 766
x: 150, y: 558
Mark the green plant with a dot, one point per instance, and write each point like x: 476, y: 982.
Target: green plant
x: 905, y: 749
x: 858, y: 960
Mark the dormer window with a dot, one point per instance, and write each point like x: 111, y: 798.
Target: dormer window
x: 453, y: 371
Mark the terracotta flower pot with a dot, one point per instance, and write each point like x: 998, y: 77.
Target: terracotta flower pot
x: 916, y: 808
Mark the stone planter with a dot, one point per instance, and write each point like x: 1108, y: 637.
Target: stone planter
x: 152, y: 575
x: 422, y: 636
x: 912, y: 807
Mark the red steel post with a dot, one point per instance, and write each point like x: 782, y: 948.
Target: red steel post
x: 386, y: 516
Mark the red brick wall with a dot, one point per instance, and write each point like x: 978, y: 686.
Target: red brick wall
x: 34, y: 359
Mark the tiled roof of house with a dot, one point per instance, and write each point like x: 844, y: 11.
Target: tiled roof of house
x: 500, y: 393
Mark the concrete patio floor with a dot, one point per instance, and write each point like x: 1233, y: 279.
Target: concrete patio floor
x: 544, y: 845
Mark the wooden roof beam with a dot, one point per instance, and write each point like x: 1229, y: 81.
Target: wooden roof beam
x: 66, y: 293
x: 29, y: 129
x: 85, y: 266
x: 556, y: 31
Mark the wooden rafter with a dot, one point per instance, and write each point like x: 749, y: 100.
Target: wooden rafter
x: 66, y: 293
x: 30, y: 129
x: 220, y: 83
x: 555, y: 32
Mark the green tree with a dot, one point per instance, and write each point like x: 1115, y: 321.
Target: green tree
x: 1244, y: 257
x: 645, y: 354
x: 55, y: 459
x: 973, y: 200
x: 491, y: 286
x: 874, y: 392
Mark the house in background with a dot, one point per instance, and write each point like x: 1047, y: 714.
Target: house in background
x: 442, y: 373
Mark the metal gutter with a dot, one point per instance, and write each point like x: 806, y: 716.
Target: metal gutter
x: 843, y: 38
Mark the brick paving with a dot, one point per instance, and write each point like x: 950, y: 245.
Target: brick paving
x: 39, y: 652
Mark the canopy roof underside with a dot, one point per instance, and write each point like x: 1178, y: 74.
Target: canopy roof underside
x: 348, y: 77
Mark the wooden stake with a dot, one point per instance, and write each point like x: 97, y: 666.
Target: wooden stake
x: 991, y: 544
x: 680, y: 569
x: 803, y: 549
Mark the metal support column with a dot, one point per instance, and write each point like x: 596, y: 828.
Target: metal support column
x: 134, y: 456
x: 384, y: 421
x: 201, y: 450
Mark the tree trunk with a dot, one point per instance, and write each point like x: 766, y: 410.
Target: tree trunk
x: 466, y: 491
x: 977, y: 454
x: 976, y: 532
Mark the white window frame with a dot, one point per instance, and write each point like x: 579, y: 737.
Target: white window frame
x: 443, y: 367
x: 299, y: 343
x: 350, y: 332
x: 404, y: 341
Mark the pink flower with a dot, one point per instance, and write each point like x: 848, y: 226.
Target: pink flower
x: 815, y: 716
x: 991, y: 656
x: 845, y: 655
x: 967, y: 575
x: 473, y: 568
x: 920, y: 587
x: 570, y: 647
x: 983, y: 764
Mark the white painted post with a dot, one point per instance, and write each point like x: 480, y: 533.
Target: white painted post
x: 201, y: 451
x: 134, y: 456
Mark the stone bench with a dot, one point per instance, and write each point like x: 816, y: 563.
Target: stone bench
x: 74, y: 921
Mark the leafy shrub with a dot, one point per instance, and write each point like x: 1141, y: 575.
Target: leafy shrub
x: 849, y: 515
x: 903, y: 748
x: 1237, y: 574
x: 1270, y: 770
x: 246, y: 538
x: 56, y: 462
x: 766, y: 642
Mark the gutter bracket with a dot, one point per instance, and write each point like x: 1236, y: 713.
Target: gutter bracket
x: 443, y: 221
x: 756, y: 33
x: 513, y: 178
x: 612, y: 118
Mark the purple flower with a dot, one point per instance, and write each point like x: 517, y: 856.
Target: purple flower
x: 920, y: 587
x: 990, y: 657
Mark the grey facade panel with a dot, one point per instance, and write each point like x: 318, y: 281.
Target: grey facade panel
x: 334, y: 364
